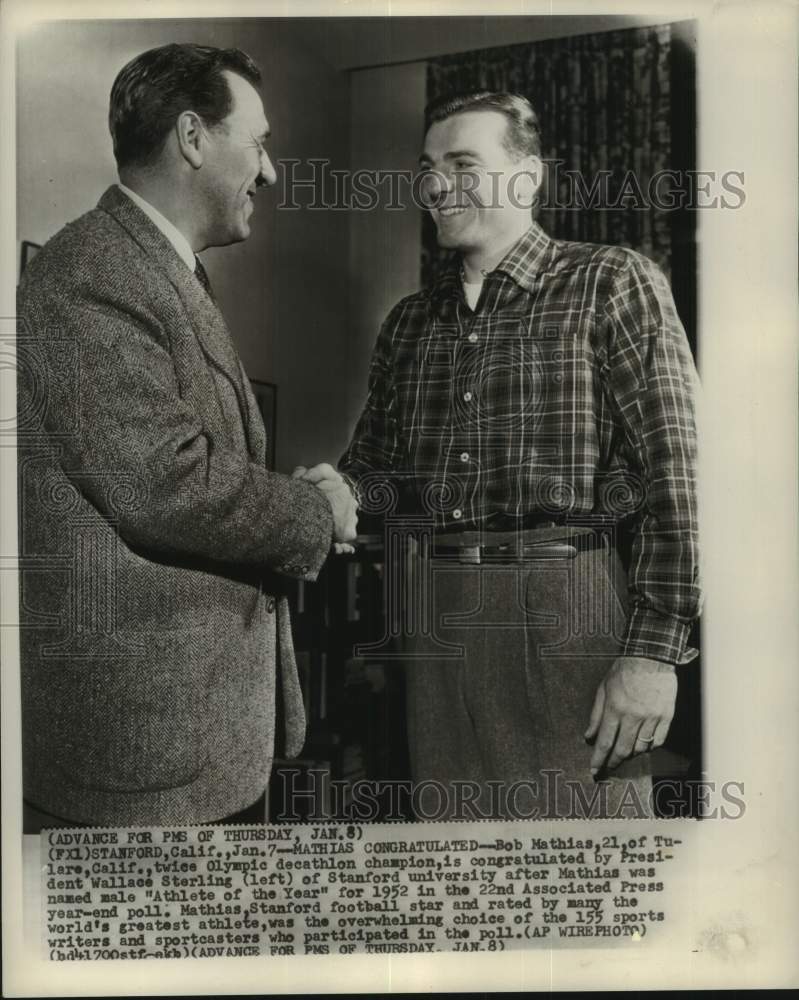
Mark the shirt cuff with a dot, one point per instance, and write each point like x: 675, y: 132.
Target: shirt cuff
x: 353, y: 487
x: 658, y: 637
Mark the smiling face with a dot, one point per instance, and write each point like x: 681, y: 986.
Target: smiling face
x: 480, y: 191
x: 235, y: 164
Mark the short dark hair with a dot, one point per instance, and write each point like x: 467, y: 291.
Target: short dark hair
x: 154, y: 88
x: 523, y: 135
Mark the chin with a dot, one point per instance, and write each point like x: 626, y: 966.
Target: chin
x: 230, y: 239
x: 230, y: 234
x: 453, y: 239
x: 449, y: 241
x: 240, y: 233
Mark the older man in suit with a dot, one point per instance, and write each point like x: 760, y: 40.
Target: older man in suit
x: 155, y: 545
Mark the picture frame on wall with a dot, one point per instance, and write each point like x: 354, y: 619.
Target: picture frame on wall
x: 266, y: 397
x: 27, y: 252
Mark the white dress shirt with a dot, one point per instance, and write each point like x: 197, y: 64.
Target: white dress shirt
x: 172, y: 233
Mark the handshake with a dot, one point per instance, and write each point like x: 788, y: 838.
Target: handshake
x: 344, y: 505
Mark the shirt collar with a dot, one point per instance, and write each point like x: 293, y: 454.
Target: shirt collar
x: 172, y: 233
x: 530, y: 255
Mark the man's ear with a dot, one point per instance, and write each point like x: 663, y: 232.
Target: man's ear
x: 528, y: 181
x: 191, y: 136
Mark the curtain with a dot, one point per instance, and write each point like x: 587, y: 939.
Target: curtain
x: 603, y: 102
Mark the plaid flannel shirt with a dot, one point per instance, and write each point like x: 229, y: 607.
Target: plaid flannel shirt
x: 568, y: 392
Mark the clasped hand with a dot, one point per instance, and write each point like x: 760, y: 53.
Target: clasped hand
x: 345, y: 509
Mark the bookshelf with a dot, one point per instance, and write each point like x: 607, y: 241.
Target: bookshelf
x: 355, y: 707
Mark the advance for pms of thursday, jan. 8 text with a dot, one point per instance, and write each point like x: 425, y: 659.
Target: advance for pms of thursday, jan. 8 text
x: 298, y: 890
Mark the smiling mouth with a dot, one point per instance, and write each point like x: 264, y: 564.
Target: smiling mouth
x: 448, y: 213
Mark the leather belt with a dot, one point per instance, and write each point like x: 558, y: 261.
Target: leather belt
x: 527, y: 545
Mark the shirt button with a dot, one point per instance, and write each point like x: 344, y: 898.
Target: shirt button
x: 464, y: 456
x: 457, y: 514
x: 473, y: 337
x: 467, y: 396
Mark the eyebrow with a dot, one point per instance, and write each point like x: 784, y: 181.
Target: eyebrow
x: 454, y: 155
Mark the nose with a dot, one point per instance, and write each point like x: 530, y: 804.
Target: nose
x: 435, y: 187
x: 267, y: 176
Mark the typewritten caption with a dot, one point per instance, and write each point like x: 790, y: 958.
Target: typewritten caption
x: 337, y: 889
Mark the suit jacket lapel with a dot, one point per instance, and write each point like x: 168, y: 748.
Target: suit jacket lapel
x: 256, y: 432
x: 206, y: 319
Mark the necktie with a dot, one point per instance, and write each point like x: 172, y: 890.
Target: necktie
x: 224, y: 347
x: 202, y: 277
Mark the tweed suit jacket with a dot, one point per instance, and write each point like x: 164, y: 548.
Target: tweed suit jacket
x: 155, y: 546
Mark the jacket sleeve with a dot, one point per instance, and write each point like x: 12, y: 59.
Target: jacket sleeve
x: 101, y: 378
x: 653, y: 381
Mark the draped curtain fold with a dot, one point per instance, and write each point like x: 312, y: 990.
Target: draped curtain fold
x: 604, y: 105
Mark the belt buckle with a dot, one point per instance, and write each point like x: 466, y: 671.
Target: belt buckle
x: 469, y: 555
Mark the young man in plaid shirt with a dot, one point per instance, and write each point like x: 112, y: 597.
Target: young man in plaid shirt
x: 536, y: 404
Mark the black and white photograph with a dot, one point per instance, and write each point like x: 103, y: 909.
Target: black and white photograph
x: 399, y: 480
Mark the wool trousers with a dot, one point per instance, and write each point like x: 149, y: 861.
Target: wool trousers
x: 501, y: 683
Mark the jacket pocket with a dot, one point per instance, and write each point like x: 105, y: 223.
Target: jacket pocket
x: 133, y: 727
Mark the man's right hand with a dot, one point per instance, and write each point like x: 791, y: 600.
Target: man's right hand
x: 345, y: 510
